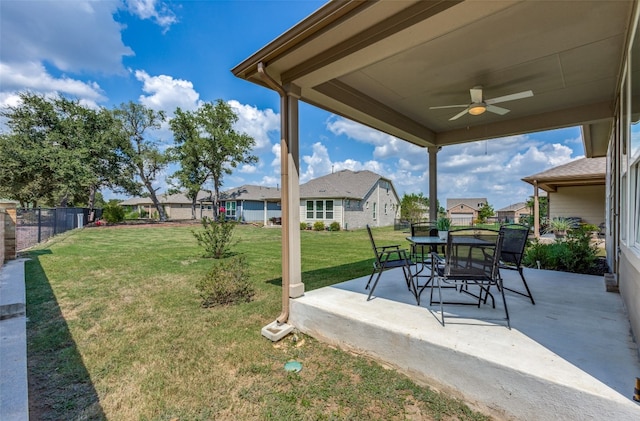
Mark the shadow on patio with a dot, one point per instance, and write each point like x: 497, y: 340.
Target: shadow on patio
x: 569, y: 356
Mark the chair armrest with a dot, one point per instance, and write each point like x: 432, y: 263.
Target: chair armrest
x: 387, y: 255
x: 384, y: 249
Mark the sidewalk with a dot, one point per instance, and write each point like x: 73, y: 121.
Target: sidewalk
x: 14, y: 396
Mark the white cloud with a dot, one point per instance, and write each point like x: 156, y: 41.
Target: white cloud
x: 151, y: 9
x: 166, y: 93
x: 385, y: 146
x: 33, y: 76
x: 494, y: 169
x: 256, y: 123
x: 74, y: 36
x: 275, y: 149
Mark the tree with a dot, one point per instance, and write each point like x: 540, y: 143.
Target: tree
x: 142, y: 155
x: 485, y: 211
x: 190, y: 152
x: 209, y: 146
x: 57, y: 152
x: 414, y: 207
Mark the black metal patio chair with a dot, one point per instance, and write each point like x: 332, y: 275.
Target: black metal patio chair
x: 513, y: 245
x: 389, y: 257
x: 418, y: 252
x: 471, y: 261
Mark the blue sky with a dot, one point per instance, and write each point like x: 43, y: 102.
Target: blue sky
x: 172, y: 54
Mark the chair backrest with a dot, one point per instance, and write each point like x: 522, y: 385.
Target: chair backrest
x: 514, y: 243
x: 373, y: 244
x: 473, y: 253
x: 423, y: 229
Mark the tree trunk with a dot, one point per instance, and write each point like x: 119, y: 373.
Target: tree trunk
x: 193, y: 207
x: 92, y: 200
x: 156, y: 202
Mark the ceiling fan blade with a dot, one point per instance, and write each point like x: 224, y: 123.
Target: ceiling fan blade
x: 519, y: 95
x: 460, y: 114
x: 476, y: 94
x: 449, y: 106
x: 497, y: 110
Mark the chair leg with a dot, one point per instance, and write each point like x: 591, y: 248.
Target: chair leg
x: 370, y: 278
x: 373, y: 287
x: 524, y: 281
x: 504, y: 302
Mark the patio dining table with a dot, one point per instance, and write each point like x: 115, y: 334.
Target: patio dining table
x: 427, y: 267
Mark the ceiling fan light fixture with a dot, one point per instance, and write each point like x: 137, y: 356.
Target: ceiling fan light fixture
x: 477, y: 109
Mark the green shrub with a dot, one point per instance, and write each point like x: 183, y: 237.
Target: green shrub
x: 113, y: 213
x: 226, y: 283
x: 303, y: 226
x: 318, y: 226
x: 573, y: 254
x: 335, y: 226
x: 215, y: 237
x: 132, y: 215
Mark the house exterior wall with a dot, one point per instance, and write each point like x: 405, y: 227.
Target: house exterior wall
x: 356, y: 213
x: 382, y: 199
x: 254, y: 210
x: 629, y: 278
x: 462, y: 215
x: 337, y: 211
x: 178, y: 211
x: 514, y: 216
x: 585, y: 202
x: 623, y: 179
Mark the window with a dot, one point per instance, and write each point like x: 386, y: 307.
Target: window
x: 329, y: 210
x: 319, y: 209
x: 385, y: 208
x: 374, y: 211
x: 309, y: 209
x: 230, y: 209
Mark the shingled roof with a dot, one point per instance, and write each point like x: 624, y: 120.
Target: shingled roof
x: 581, y: 172
x: 474, y: 203
x: 342, y: 184
x: 251, y: 192
x: 513, y: 207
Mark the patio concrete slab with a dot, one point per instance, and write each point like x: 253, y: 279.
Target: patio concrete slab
x: 14, y: 402
x: 570, y: 356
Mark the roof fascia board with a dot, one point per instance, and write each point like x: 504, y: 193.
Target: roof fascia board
x: 325, y: 17
x: 416, y: 13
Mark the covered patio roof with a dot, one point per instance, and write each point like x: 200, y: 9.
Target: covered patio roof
x: 581, y: 172
x: 385, y: 63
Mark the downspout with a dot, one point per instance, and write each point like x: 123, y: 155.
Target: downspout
x: 284, y: 198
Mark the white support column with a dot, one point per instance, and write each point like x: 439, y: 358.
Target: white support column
x: 433, y: 182
x: 291, y: 225
x: 536, y: 210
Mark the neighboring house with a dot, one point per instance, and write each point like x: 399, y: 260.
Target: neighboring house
x: 516, y: 213
x: 575, y: 190
x: 251, y: 203
x: 464, y: 211
x: 176, y: 206
x: 351, y: 198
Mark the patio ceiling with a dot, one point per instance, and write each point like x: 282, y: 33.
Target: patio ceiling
x: 384, y: 63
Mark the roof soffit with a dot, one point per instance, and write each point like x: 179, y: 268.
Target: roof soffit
x: 385, y: 64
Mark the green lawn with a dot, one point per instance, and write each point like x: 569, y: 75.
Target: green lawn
x: 116, y: 331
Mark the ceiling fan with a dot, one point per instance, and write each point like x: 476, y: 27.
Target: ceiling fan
x: 479, y: 104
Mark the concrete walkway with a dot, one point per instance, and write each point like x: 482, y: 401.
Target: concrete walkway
x: 14, y: 397
x: 570, y: 356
